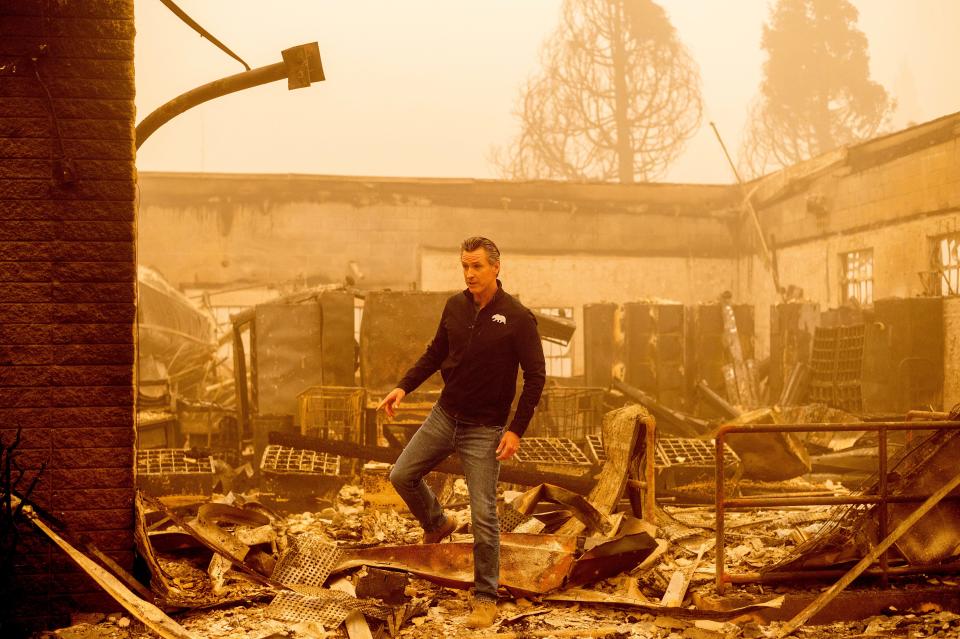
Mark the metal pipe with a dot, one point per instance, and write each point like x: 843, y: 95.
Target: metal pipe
x: 729, y: 410
x: 867, y: 500
x: 205, y: 93
x: 650, y: 431
x: 839, y: 428
x: 800, y: 575
x: 884, y: 501
x: 720, y: 504
x: 300, y: 66
x: 883, y: 498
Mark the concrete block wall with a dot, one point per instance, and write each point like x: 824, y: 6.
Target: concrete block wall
x: 220, y: 229
x: 67, y: 287
x: 894, y: 205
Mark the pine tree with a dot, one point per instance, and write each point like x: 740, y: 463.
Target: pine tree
x: 816, y: 94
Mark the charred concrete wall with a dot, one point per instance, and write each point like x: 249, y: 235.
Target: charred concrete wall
x: 67, y: 273
x: 227, y: 228
x: 572, y: 281
x: 893, y: 196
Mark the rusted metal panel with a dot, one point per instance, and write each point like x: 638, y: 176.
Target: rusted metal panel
x: 529, y: 564
x: 655, y: 355
x: 340, y: 349
x: 602, y: 345
x: 792, y: 326
x: 611, y: 557
x: 395, y: 331
x: 287, y: 353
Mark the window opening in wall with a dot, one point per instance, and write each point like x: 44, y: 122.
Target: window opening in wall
x: 946, y: 263
x: 559, y: 357
x: 857, y: 269
x: 357, y: 317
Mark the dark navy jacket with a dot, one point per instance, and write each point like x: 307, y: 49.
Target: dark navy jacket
x: 477, y: 355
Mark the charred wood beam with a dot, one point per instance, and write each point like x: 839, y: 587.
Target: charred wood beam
x: 508, y: 473
x: 712, y: 398
x: 240, y: 379
x: 684, y: 425
x: 555, y: 329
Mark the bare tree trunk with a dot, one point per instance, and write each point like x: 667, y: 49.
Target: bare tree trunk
x: 624, y: 146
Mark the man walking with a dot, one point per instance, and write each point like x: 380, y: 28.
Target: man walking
x: 484, y: 334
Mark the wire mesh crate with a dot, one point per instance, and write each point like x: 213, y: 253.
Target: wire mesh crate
x: 836, y: 367
x: 572, y: 413
x: 172, y: 461
x: 395, y: 431
x: 331, y: 412
x: 551, y: 450
x: 680, y: 461
x: 166, y: 471
x: 283, y: 460
x: 596, y: 450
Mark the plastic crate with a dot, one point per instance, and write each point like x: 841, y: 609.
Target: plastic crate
x: 551, y: 450
x: 331, y: 412
x: 573, y: 413
x: 413, y: 410
x: 836, y: 367
x: 596, y: 450
x: 283, y: 460
x: 172, y: 461
x: 173, y: 471
x: 681, y: 461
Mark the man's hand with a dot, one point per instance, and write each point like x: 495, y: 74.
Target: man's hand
x: 509, y: 444
x: 392, y: 401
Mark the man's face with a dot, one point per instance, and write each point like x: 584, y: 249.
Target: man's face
x: 478, y: 273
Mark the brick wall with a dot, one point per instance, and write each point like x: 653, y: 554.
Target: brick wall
x: 67, y: 292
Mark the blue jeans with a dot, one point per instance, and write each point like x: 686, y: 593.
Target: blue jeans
x: 476, y: 444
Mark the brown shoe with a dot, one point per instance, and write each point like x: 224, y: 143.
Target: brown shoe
x: 445, y: 530
x: 483, y: 615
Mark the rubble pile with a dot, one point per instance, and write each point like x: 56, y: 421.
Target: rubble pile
x: 636, y: 555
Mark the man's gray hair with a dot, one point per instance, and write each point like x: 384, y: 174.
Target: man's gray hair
x: 473, y: 243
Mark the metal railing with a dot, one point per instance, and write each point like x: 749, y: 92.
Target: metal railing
x: 883, y: 498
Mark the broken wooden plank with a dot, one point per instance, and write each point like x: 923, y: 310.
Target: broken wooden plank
x: 828, y: 595
x: 680, y: 581
x: 212, y: 544
x: 620, y: 431
x: 118, y: 571
x: 603, y: 631
x: 676, y: 589
x: 746, y: 390
x: 580, y: 508
x: 144, y: 611
x: 355, y: 623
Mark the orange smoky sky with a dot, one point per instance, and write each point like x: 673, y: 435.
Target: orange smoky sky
x: 426, y: 88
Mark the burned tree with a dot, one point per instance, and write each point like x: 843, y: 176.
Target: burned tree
x: 15, y: 492
x: 816, y: 93
x: 617, y: 98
